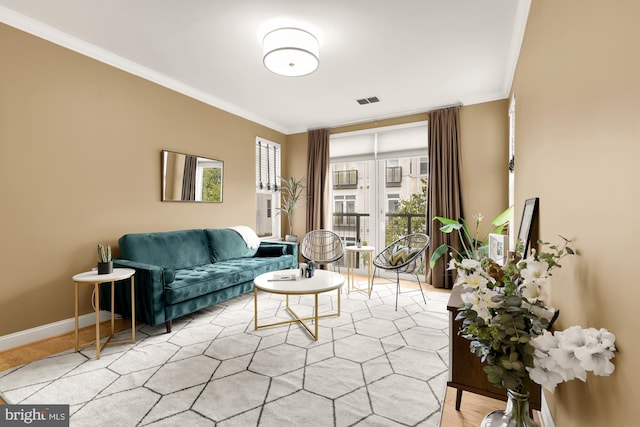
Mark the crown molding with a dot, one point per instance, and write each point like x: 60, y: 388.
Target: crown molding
x: 53, y: 35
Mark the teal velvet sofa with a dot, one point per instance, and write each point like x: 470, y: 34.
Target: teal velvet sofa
x: 181, y: 272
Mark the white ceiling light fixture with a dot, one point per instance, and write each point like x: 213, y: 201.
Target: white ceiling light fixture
x: 290, y: 52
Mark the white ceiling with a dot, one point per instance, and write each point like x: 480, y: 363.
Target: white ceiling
x: 415, y: 55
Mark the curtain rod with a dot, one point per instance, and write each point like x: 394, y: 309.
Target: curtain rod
x: 457, y: 104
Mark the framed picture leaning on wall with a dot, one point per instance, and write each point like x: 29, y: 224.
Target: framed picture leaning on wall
x: 498, y: 248
x: 527, y: 223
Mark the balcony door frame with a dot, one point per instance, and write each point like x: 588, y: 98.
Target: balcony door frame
x: 377, y: 200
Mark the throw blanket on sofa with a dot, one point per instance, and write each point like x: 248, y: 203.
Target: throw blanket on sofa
x: 249, y: 236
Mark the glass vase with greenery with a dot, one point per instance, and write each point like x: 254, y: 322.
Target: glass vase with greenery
x: 292, y: 192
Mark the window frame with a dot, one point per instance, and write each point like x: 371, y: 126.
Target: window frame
x: 273, y: 176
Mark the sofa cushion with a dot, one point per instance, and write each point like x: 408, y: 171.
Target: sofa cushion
x: 193, y: 282
x: 271, y: 250
x: 226, y: 244
x: 400, y: 254
x: 169, y: 275
x: 169, y: 249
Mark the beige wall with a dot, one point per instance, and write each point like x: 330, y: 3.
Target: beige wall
x: 577, y: 148
x: 484, y: 140
x: 295, y: 165
x: 80, y: 165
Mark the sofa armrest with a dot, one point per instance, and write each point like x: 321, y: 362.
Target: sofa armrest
x: 149, y: 284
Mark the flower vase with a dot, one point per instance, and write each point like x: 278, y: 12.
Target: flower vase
x: 516, y: 413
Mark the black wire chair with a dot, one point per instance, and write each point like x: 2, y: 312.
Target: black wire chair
x: 322, y: 247
x: 405, y: 255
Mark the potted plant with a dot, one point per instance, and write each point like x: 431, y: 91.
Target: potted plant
x: 472, y: 245
x: 105, y: 264
x: 292, y: 189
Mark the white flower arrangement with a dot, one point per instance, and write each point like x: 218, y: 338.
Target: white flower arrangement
x: 507, y: 318
x: 569, y: 354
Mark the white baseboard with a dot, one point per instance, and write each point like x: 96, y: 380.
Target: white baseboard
x: 28, y: 336
x: 547, y: 418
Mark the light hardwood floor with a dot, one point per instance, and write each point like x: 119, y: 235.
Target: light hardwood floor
x: 472, y: 410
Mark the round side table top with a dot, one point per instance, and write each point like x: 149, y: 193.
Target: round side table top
x: 93, y: 276
x: 322, y: 281
x: 360, y: 249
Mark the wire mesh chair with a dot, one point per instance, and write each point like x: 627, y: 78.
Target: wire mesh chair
x: 405, y: 255
x: 322, y: 247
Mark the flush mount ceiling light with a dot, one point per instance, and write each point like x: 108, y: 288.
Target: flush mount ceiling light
x: 290, y: 52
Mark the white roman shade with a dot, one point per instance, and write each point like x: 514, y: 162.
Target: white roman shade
x: 408, y: 140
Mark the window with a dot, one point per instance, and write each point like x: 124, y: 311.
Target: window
x: 345, y: 179
x: 267, y: 188
x: 344, y: 209
x: 424, y: 165
x: 512, y: 167
x: 388, y: 200
x: 208, y: 180
x: 394, y: 176
x: 392, y: 202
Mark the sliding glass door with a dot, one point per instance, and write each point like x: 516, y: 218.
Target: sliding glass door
x: 378, y: 190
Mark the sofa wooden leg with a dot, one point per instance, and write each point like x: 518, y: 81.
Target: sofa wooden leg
x: 168, y: 325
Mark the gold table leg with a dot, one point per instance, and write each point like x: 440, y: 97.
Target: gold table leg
x: 296, y: 317
x: 133, y: 310
x: 96, y: 287
x: 76, y: 314
x: 96, y: 300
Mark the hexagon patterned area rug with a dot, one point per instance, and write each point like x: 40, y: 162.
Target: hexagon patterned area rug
x: 371, y: 366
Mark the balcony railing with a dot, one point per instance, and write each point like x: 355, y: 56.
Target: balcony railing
x: 352, y: 227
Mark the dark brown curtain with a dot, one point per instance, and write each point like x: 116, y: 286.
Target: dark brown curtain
x: 444, y: 187
x: 189, y: 178
x: 317, y: 178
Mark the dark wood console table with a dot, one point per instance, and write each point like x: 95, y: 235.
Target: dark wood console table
x: 465, y: 368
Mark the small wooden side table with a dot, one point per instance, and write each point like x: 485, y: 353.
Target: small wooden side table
x: 93, y: 278
x: 350, y: 252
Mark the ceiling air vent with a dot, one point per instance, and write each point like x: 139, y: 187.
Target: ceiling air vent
x: 369, y: 100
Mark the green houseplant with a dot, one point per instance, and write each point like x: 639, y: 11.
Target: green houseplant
x: 292, y: 189
x: 472, y: 245
x: 105, y: 264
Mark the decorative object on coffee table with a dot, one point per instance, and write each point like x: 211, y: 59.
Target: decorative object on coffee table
x: 311, y: 268
x: 105, y: 264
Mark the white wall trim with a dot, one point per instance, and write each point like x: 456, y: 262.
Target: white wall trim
x: 547, y: 418
x: 50, y: 330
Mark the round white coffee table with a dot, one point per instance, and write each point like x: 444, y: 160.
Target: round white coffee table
x: 289, y: 282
